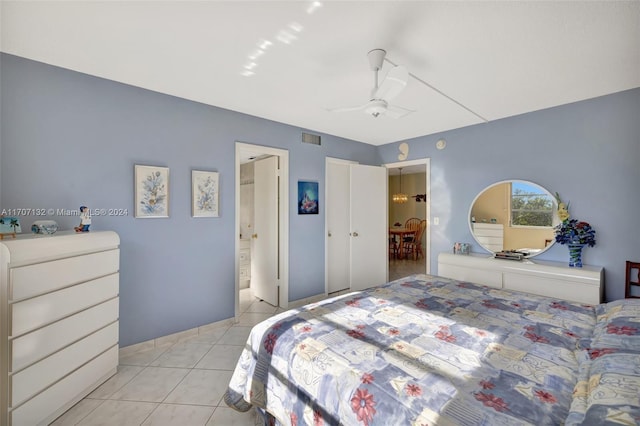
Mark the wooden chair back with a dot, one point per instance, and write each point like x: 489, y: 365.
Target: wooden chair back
x: 632, y: 280
x: 412, y: 223
x: 423, y: 227
x: 414, y: 246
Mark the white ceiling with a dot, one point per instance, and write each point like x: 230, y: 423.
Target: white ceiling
x: 499, y: 59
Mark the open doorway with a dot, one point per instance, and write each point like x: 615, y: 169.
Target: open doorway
x: 262, y: 234
x: 409, y: 230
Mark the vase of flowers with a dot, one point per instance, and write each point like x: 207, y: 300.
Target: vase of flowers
x: 574, y: 233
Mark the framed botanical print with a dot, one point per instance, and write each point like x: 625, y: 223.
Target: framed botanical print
x: 204, y: 193
x: 151, y: 191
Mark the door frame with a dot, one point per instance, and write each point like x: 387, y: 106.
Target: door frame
x: 427, y: 163
x: 328, y: 160
x: 283, y: 233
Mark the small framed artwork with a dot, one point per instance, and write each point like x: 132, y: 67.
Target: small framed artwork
x: 151, y: 191
x: 204, y: 193
x: 307, y: 197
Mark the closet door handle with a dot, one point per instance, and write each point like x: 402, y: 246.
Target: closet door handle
x: 355, y: 234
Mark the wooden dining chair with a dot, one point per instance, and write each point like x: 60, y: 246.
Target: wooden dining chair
x: 632, y: 280
x: 393, y: 247
x: 413, y: 224
x: 414, y: 247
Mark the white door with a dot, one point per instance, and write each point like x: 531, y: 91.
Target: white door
x: 338, y: 221
x: 368, y: 210
x: 264, y: 251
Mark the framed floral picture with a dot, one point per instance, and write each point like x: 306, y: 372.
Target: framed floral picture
x: 151, y: 191
x: 204, y: 193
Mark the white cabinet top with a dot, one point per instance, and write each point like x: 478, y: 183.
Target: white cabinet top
x: 30, y: 248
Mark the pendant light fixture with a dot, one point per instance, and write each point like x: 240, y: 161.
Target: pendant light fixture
x: 400, y: 197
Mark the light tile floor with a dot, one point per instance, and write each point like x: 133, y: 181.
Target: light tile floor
x: 399, y: 268
x: 180, y: 384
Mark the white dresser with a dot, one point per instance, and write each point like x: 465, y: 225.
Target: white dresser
x: 545, y: 278
x: 58, y: 322
x: 490, y: 235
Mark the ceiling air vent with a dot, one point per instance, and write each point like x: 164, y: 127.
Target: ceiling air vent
x: 309, y: 138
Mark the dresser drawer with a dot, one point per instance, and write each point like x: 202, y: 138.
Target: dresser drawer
x: 484, y: 240
x: 245, y: 255
x: 32, y: 280
x: 38, y: 311
x: 31, y: 380
x: 472, y: 275
x: 490, y: 233
x: 59, y: 397
x: 36, y: 345
x: 556, y: 288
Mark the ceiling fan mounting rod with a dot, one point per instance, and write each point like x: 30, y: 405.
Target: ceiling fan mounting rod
x: 376, y: 59
x: 437, y: 91
x: 375, y: 82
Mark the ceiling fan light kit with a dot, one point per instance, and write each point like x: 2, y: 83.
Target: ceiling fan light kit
x: 376, y: 107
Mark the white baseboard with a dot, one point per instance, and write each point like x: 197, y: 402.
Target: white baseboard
x: 173, y: 338
x: 312, y: 299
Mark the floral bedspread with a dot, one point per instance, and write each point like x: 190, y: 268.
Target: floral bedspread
x: 423, y: 350
x: 608, y: 388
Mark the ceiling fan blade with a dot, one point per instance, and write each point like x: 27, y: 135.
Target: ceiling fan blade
x: 393, y: 83
x: 395, y: 111
x: 347, y: 109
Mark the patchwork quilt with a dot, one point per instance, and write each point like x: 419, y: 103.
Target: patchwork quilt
x: 426, y: 350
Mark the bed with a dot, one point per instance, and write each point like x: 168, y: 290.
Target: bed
x: 426, y: 350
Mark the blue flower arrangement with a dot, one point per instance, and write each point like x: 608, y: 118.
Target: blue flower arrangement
x: 575, y: 233
x: 572, y: 231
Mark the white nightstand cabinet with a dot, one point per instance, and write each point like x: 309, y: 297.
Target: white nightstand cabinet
x: 58, y: 322
x: 545, y: 278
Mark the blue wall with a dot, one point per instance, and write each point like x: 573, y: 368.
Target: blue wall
x: 588, y: 151
x: 70, y: 139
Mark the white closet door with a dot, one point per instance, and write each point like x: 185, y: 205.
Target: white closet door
x: 368, y: 209
x: 338, y: 220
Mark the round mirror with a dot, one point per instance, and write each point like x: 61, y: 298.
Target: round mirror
x: 514, y: 215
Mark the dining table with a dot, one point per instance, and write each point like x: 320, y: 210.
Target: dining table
x: 402, y: 233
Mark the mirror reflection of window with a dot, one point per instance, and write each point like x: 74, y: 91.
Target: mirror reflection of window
x: 514, y: 215
x: 530, y: 205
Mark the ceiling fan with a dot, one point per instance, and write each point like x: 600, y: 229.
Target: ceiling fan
x: 394, y: 82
